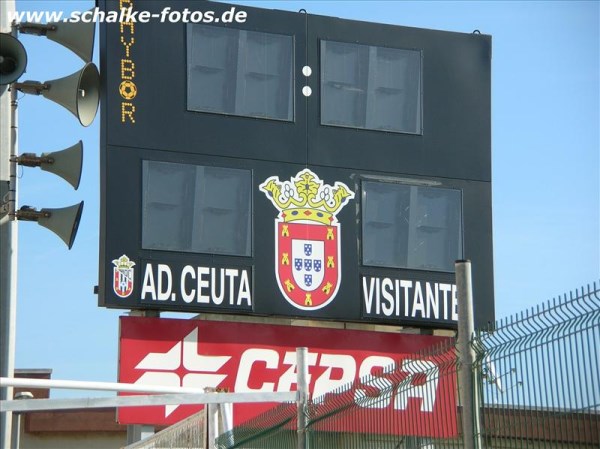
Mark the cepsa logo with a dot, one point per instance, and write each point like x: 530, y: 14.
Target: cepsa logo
x: 127, y: 87
x: 418, y: 392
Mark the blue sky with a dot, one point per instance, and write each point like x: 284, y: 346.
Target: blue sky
x: 545, y: 147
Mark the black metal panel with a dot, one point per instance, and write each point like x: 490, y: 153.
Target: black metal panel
x: 162, y: 120
x: 456, y: 80
x: 123, y: 237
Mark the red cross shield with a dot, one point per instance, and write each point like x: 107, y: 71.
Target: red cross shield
x: 123, y: 276
x: 123, y: 281
x: 308, y: 268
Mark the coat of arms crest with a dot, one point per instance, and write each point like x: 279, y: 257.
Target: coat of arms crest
x: 307, y: 237
x: 123, y: 276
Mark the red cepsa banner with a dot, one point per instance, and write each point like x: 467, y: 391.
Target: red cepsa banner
x: 418, y: 397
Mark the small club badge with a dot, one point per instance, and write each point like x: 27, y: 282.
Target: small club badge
x: 123, y: 276
x: 307, y: 237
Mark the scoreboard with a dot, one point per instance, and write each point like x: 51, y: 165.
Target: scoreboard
x: 293, y: 165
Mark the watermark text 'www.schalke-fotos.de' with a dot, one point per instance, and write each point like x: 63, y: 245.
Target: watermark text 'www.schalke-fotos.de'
x: 129, y: 15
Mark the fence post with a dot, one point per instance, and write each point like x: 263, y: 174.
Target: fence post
x: 212, y: 421
x: 226, y: 417
x: 468, y: 391
x: 302, y: 399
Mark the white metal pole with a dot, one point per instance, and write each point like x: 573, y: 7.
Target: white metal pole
x: 212, y: 418
x: 468, y: 391
x: 8, y: 233
x: 226, y: 414
x: 302, y: 382
x: 16, y: 431
x: 18, y: 420
x: 37, y: 405
x: 95, y: 386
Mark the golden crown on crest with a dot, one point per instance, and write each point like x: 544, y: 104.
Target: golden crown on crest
x: 306, y: 197
x: 123, y: 263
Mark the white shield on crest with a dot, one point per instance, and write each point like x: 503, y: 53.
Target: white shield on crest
x: 308, y: 259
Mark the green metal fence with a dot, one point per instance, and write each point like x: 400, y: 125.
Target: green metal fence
x: 539, y: 382
x: 541, y: 372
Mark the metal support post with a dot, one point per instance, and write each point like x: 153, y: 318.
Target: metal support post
x: 18, y: 419
x: 16, y: 431
x: 8, y: 232
x: 468, y: 391
x: 212, y: 421
x: 226, y: 417
x: 302, y: 398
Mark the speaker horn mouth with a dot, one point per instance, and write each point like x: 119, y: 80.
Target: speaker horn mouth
x: 13, y: 59
x: 76, y: 225
x: 88, y: 94
x: 7, y: 65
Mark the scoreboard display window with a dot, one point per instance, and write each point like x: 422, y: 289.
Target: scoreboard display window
x: 370, y: 87
x: 413, y: 227
x: 239, y: 72
x: 195, y: 208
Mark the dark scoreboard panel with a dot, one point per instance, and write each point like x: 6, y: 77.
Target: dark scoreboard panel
x: 225, y: 189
